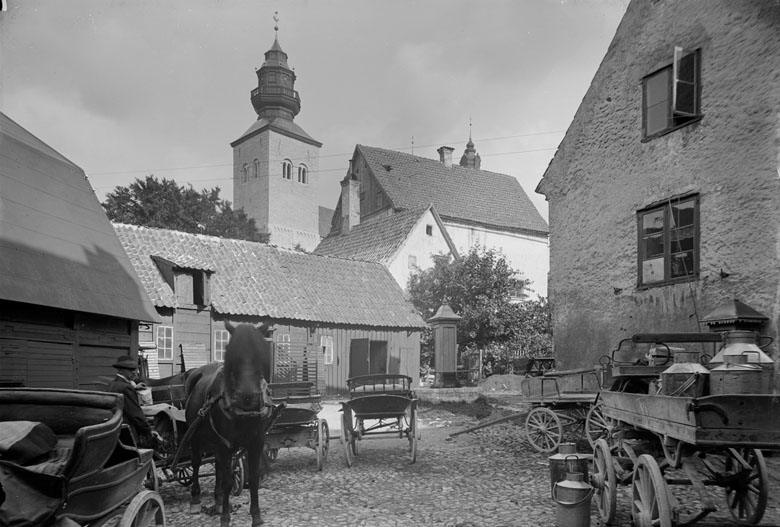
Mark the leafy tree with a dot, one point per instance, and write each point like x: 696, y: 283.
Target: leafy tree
x: 482, y: 288
x: 166, y: 205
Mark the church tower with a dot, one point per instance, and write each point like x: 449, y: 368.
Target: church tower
x: 470, y: 157
x: 275, y: 160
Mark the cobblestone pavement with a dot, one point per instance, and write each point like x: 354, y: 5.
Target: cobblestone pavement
x: 489, y: 477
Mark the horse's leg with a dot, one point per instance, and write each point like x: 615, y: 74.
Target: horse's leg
x: 195, y: 460
x: 223, y: 484
x: 253, y: 458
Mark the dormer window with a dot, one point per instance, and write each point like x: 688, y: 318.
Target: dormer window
x: 287, y: 169
x: 303, y: 174
x: 670, y: 96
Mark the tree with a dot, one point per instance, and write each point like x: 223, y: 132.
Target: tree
x: 483, y: 289
x: 166, y: 205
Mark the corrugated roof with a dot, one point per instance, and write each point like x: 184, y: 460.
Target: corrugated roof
x: 57, y: 247
x: 261, y: 280
x: 458, y: 193
x: 376, y: 240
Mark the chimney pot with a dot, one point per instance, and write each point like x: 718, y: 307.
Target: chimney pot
x: 445, y: 155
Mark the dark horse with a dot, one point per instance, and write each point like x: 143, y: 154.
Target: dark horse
x: 230, y: 408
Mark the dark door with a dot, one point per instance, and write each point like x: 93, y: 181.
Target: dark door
x: 358, y: 357
x: 377, y: 356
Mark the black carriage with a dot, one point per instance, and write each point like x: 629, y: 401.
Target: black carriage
x: 69, y: 460
x: 379, y: 405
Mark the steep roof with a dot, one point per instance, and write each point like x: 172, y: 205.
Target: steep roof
x: 373, y: 241
x: 260, y: 280
x: 280, y: 125
x: 459, y: 193
x: 57, y: 247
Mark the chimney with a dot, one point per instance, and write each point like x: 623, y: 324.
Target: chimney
x: 350, y: 202
x: 445, y: 155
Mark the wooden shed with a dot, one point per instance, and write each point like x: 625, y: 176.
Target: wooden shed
x: 70, y: 301
x: 333, y: 318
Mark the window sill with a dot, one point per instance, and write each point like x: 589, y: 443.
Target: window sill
x: 673, y: 129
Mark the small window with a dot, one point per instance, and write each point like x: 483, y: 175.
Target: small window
x: 165, y: 342
x: 303, y: 175
x: 221, y: 338
x: 283, y: 342
x: 272, y: 76
x: 287, y: 169
x: 327, y: 349
x: 244, y: 173
x: 429, y: 230
x: 670, y: 96
x: 256, y: 172
x: 669, y: 242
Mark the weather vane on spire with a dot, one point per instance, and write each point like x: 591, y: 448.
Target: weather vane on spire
x: 276, y: 21
x: 469, y: 128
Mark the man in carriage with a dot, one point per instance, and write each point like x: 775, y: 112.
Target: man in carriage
x: 124, y: 383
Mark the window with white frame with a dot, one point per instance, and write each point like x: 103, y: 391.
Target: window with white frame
x: 303, y: 174
x: 670, y: 96
x: 327, y: 349
x: 287, y: 169
x: 165, y: 342
x: 221, y: 338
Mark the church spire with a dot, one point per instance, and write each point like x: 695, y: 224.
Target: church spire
x: 275, y: 95
x: 470, y: 157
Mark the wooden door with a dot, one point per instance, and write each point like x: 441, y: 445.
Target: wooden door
x: 358, y: 357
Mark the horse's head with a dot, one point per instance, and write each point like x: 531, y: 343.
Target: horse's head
x: 247, y: 369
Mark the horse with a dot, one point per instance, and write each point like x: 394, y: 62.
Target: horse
x: 229, y: 408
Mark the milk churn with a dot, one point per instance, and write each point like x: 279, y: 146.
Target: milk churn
x: 687, y: 377
x: 567, y: 460
x: 739, y: 341
x: 572, y: 499
x: 740, y: 375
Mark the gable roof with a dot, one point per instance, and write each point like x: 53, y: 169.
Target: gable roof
x: 261, y: 280
x: 459, y: 193
x: 57, y: 247
x: 379, y: 239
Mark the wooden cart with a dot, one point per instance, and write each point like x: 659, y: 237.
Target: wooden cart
x: 654, y: 441
x: 379, y: 405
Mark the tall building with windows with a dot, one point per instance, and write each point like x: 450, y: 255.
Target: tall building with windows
x: 275, y: 160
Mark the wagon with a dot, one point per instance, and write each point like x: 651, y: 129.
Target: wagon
x: 654, y: 441
x: 298, y: 424
x: 562, y: 404
x: 379, y: 405
x: 67, y: 460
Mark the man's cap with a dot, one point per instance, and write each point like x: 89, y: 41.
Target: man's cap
x: 126, y: 362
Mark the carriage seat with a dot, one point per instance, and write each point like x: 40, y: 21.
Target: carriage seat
x: 384, y: 384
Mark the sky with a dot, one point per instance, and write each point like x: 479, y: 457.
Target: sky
x: 128, y: 88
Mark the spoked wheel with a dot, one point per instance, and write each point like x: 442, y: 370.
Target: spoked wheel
x: 323, y: 443
x: 412, y: 433
x: 184, y: 476
x: 152, y: 482
x: 746, y: 496
x: 347, y: 439
x: 239, y: 475
x: 597, y: 426
x: 650, y: 505
x: 145, y: 510
x: 604, y: 481
x: 543, y: 429
x: 165, y: 450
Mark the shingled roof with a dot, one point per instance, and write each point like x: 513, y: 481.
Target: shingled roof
x: 260, y: 280
x: 459, y: 193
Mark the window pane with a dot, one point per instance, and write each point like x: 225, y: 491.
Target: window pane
x: 686, y: 98
x: 654, y: 246
x: 657, y: 87
x: 681, y: 239
x: 653, y: 222
x: 682, y: 264
x: 682, y: 213
x: 657, y: 118
x: 653, y: 270
x: 686, y: 69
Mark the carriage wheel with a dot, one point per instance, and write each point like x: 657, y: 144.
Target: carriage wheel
x: 604, y: 481
x: 650, y: 506
x: 184, y: 476
x: 152, y: 482
x: 145, y: 510
x: 347, y: 440
x: 167, y: 449
x: 543, y: 429
x: 747, y: 495
x: 412, y: 434
x: 239, y: 475
x: 597, y: 426
x: 323, y: 443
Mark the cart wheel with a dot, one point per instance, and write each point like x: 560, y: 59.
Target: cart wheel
x: 239, y: 471
x: 323, y: 443
x: 543, y: 429
x: 747, y: 495
x: 145, y: 510
x: 347, y: 440
x: 412, y: 433
x: 597, y: 426
x: 650, y: 505
x: 167, y: 448
x: 184, y: 476
x: 604, y: 481
x: 152, y: 482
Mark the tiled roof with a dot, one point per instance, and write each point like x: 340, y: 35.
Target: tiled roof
x: 376, y: 240
x: 255, y: 279
x: 458, y: 193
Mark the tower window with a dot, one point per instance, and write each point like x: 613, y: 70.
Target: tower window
x: 429, y: 230
x: 257, y: 169
x: 287, y: 169
x: 303, y: 175
x: 244, y: 173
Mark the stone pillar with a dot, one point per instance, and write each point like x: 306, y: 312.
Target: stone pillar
x: 445, y: 338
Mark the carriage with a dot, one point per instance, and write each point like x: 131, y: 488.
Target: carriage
x: 653, y: 439
x: 379, y: 405
x: 67, y: 459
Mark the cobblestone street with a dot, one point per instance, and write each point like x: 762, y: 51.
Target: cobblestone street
x: 489, y: 477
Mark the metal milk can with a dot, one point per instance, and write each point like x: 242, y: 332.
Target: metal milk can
x: 572, y: 499
x: 567, y: 460
x: 687, y: 377
x: 740, y: 375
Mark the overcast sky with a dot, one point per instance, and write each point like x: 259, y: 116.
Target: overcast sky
x: 125, y: 88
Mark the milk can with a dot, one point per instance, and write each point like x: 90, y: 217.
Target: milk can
x: 687, y: 377
x: 567, y: 460
x: 572, y: 499
x: 737, y: 342
x: 741, y: 376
